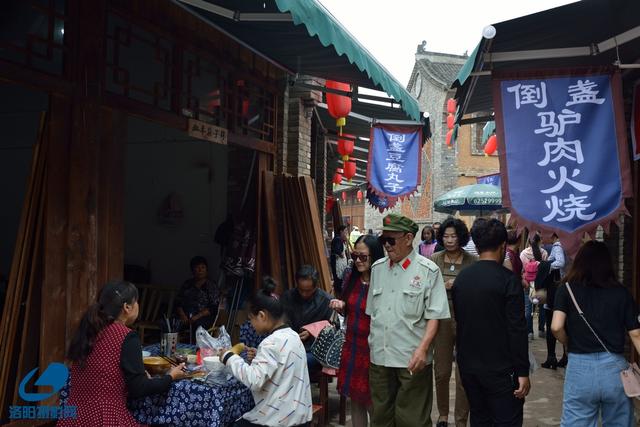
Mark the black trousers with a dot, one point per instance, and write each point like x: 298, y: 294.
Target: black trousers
x: 551, y: 340
x: 491, y: 400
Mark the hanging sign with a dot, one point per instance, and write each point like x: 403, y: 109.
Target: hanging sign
x: 635, y: 122
x: 381, y: 203
x: 493, y: 179
x: 208, y: 132
x: 394, y: 164
x: 563, y: 151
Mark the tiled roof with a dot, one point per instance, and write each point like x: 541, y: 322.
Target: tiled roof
x: 442, y: 71
x: 442, y: 67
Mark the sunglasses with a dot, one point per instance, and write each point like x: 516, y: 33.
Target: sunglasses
x: 360, y: 257
x: 383, y: 240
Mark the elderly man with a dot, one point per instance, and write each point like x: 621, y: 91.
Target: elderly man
x: 406, y: 299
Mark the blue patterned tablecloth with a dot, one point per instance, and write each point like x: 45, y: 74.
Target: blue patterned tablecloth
x: 191, y: 404
x: 188, y: 403
x: 249, y: 336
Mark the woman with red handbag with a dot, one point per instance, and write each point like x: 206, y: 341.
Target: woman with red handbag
x: 592, y: 315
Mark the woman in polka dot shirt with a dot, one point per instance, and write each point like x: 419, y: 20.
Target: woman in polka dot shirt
x: 106, y: 362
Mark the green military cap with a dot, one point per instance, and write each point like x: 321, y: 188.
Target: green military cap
x: 395, y: 222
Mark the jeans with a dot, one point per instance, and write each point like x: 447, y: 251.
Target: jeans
x: 593, y: 388
x: 528, y: 311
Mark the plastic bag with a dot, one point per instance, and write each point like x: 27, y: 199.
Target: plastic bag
x: 209, y: 345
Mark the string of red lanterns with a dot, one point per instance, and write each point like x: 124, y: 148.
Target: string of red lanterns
x: 451, y: 109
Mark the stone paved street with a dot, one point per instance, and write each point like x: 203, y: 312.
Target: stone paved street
x: 542, y: 408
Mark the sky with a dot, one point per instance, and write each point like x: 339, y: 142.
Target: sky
x: 392, y: 29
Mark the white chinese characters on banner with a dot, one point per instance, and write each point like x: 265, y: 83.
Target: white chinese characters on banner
x: 394, y: 166
x: 529, y: 94
x: 554, y: 124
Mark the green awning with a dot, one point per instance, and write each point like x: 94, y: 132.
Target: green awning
x: 303, y: 38
x: 467, y: 68
x: 581, y: 34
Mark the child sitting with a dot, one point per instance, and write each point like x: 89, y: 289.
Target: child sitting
x: 277, y: 375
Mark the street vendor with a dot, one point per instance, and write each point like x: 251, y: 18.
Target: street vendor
x: 198, y: 299
x: 407, y: 298
x: 106, y: 362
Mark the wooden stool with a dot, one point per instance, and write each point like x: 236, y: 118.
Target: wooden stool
x: 324, y: 399
x: 318, y: 416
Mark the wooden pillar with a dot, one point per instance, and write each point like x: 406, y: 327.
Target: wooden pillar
x: 53, y: 334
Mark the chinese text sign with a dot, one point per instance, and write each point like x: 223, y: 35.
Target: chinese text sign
x: 561, y: 149
x: 394, y: 160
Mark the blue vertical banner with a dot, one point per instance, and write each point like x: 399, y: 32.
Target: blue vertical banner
x: 563, y: 151
x: 393, y: 170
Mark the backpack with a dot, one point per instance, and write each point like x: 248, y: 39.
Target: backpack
x: 531, y: 270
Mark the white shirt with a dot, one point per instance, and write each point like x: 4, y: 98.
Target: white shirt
x: 278, y: 379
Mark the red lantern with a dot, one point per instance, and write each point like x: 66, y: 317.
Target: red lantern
x: 345, y: 146
x: 448, y: 138
x: 450, y: 121
x: 349, y: 170
x: 337, y: 178
x: 452, y: 105
x: 329, y: 204
x: 359, y: 195
x: 339, y: 106
x: 491, y: 146
x: 344, y: 196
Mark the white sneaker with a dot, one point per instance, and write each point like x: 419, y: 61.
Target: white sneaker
x: 530, y: 337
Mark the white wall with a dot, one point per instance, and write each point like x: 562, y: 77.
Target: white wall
x: 161, y: 161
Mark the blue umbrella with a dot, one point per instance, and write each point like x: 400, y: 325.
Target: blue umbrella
x: 476, y: 199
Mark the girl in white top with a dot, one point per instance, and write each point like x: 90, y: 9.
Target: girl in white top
x: 277, y: 375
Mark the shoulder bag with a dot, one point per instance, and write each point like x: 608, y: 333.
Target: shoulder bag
x: 630, y: 376
x: 327, y: 348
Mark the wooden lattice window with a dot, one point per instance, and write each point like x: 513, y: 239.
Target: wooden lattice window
x: 32, y: 34
x: 138, y: 62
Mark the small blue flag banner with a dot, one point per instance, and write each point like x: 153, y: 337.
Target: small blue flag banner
x: 493, y: 179
x: 563, y: 151
x: 393, y: 171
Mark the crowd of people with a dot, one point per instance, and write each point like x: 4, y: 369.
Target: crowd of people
x: 414, y: 311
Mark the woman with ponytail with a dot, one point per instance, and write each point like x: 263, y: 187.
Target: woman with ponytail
x: 277, y: 376
x: 106, y: 362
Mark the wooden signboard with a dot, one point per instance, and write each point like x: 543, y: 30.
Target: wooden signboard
x: 208, y: 132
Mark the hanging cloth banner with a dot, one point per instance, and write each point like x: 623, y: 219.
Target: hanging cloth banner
x: 563, y: 151
x: 635, y: 122
x: 381, y: 203
x: 395, y: 160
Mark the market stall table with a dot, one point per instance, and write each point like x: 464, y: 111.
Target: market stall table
x: 188, y: 403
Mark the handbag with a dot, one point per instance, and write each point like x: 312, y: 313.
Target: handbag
x: 327, y: 348
x: 631, y: 376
